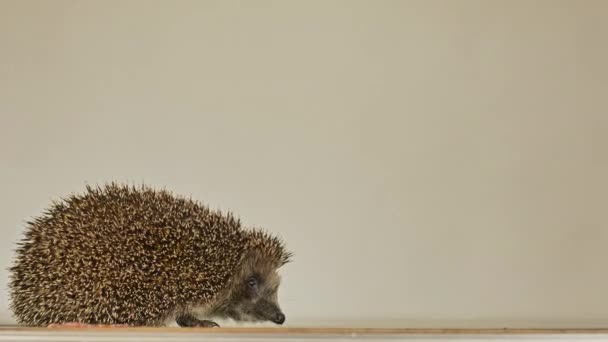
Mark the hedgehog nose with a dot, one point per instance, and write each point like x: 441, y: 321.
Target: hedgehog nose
x: 279, y: 319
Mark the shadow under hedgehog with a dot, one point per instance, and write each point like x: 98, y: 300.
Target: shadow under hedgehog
x: 136, y: 256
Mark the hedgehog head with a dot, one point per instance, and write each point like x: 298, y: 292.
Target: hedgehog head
x: 253, y: 290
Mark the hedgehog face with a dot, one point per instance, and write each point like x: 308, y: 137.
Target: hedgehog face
x: 254, y: 296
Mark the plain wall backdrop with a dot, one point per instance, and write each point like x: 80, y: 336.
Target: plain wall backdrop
x: 430, y: 163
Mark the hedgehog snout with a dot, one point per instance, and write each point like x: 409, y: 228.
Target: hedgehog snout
x: 270, y: 311
x: 279, y: 318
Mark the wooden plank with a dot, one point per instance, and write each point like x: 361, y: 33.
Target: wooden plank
x: 319, y: 331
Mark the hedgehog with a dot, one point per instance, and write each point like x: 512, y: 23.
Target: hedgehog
x: 130, y: 255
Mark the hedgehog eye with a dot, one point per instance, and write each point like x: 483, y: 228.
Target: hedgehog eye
x: 252, y: 283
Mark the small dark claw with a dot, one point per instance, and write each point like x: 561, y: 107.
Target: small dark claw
x: 208, y: 324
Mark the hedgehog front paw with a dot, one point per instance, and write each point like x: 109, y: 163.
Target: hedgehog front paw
x: 207, y: 324
x: 189, y: 321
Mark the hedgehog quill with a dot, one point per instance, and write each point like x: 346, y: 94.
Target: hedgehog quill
x: 137, y: 256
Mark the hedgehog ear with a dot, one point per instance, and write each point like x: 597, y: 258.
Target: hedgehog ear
x: 251, y: 258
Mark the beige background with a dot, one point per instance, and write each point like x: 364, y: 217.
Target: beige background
x: 431, y: 163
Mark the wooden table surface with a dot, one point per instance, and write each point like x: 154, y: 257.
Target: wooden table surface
x: 325, y: 331
x: 297, y: 334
